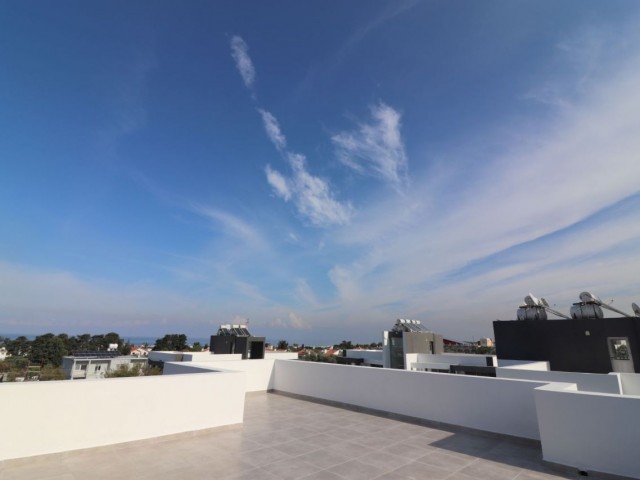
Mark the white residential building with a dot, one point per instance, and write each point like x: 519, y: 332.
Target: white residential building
x: 94, y: 365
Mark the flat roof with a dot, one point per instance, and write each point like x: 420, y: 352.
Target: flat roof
x: 288, y: 438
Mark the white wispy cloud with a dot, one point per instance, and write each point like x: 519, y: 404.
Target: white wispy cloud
x: 375, y: 148
x: 240, y: 54
x: 312, y: 196
x: 272, y: 127
x: 230, y: 224
x: 279, y: 184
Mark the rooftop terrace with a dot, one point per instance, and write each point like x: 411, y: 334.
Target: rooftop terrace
x: 288, y: 438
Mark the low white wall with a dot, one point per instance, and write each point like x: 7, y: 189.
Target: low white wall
x: 181, y: 368
x: 524, y: 364
x: 586, y: 382
x: 259, y: 375
x: 630, y: 383
x: 490, y: 404
x: 210, y: 357
x: 589, y: 431
x: 69, y: 415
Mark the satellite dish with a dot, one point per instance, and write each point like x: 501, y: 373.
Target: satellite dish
x: 531, y: 301
x: 588, y: 297
x: 636, y: 309
x: 544, y: 302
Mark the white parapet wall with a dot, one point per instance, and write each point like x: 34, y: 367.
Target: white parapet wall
x: 210, y: 357
x: 259, y: 373
x: 489, y: 404
x: 524, y: 364
x: 69, y: 415
x: 589, y: 431
x: 587, y: 382
x: 630, y: 383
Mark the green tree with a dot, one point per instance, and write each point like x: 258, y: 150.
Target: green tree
x: 81, y: 342
x: 47, y: 349
x: 196, y: 347
x: 345, y: 344
x: 20, y: 347
x: 283, y: 345
x: 172, y: 342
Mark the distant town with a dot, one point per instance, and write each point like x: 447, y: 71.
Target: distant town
x: 47, y: 357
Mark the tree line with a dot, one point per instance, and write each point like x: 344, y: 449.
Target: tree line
x: 49, y: 349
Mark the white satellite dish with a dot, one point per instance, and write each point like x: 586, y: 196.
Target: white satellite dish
x: 531, y: 301
x: 588, y: 297
x: 636, y: 309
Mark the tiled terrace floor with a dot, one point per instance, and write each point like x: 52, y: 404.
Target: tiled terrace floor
x: 286, y: 438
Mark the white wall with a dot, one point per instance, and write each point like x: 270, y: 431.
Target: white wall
x: 587, y: 382
x: 210, y: 357
x: 589, y: 431
x: 524, y: 364
x: 69, y: 415
x: 259, y: 374
x: 630, y: 383
x: 490, y: 404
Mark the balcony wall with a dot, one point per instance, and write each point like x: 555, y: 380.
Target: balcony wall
x: 259, y: 374
x: 48, y: 417
x: 589, y: 431
x: 489, y: 404
x: 587, y: 382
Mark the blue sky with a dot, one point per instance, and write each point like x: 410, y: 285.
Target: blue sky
x: 320, y: 168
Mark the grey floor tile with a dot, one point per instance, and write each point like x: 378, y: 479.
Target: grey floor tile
x: 410, y: 451
x: 447, y: 461
x: 322, y: 475
x: 356, y: 470
x: 420, y: 471
x: 291, y: 469
x: 326, y: 458
x: 265, y: 456
x: 296, y: 448
x: 385, y: 461
x: 483, y: 469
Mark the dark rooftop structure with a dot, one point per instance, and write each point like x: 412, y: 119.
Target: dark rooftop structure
x: 232, y: 339
x: 584, y: 342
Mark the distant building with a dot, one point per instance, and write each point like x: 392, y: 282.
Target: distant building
x: 3, y: 353
x: 94, y: 365
x: 486, y: 342
x: 584, y: 342
x: 408, y: 336
x: 232, y: 339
